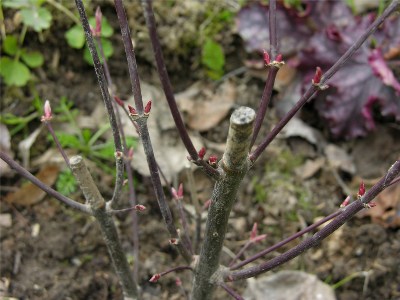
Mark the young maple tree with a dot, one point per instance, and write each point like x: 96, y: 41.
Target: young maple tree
x: 240, y: 155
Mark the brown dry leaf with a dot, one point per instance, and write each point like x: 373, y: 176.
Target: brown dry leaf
x: 30, y: 194
x: 203, y: 107
x: 310, y: 168
x: 387, y: 210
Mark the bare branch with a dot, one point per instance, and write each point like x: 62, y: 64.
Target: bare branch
x: 348, y: 212
x: 119, y: 165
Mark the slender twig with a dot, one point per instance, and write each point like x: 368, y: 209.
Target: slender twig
x: 130, y: 55
x: 195, y: 201
x: 56, y: 140
x: 128, y: 168
x: 265, y: 99
x: 269, y: 84
x: 119, y: 164
x: 107, y: 226
x: 144, y: 131
x: 348, y: 212
x: 285, y: 241
x: 176, y: 269
x: 169, y: 94
x: 273, y: 41
x: 315, y: 89
x: 230, y: 291
x: 27, y: 175
x: 182, y: 217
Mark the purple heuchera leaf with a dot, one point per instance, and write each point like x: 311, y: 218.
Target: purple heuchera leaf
x: 381, y: 69
x: 347, y: 106
x: 252, y: 25
x: 364, y: 83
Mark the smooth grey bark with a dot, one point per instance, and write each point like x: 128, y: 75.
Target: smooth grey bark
x: 107, y: 226
x: 235, y: 163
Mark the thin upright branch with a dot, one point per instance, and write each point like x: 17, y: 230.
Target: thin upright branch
x: 265, y: 99
x: 27, y: 175
x: 169, y: 94
x: 119, y: 164
x: 56, y: 140
x: 313, y: 90
x: 348, y: 212
x: 144, y: 131
x: 273, y: 70
x: 273, y: 41
x: 130, y: 55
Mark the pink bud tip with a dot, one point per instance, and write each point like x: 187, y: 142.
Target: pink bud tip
x: 147, y: 107
x: 207, y: 204
x: 140, y: 207
x: 47, y: 116
x: 178, y: 282
x: 279, y: 58
x: 372, y: 204
x: 212, y: 160
x: 119, y: 101
x: 180, y: 190
x: 361, y: 189
x: 254, y: 230
x: 259, y: 238
x: 132, y: 111
x: 98, y: 17
x: 118, y: 154
x: 174, y: 193
x: 155, y: 278
x: 130, y: 153
x: 345, y: 202
x: 202, y: 152
x: 267, y: 59
x: 174, y: 241
x: 317, y: 76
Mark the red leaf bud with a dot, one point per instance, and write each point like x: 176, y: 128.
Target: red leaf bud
x: 98, y: 17
x: 279, y: 58
x: 130, y: 153
x: 253, y: 232
x: 317, y: 76
x: 180, y: 190
x: 207, y: 204
x: 47, y: 116
x: 178, y: 281
x: 174, y: 241
x: 178, y: 195
x: 132, y: 110
x: 147, y: 108
x: 267, y: 59
x: 361, y: 189
x: 140, y: 207
x: 212, y: 160
x: 202, y: 152
x: 155, y: 278
x: 345, y: 202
